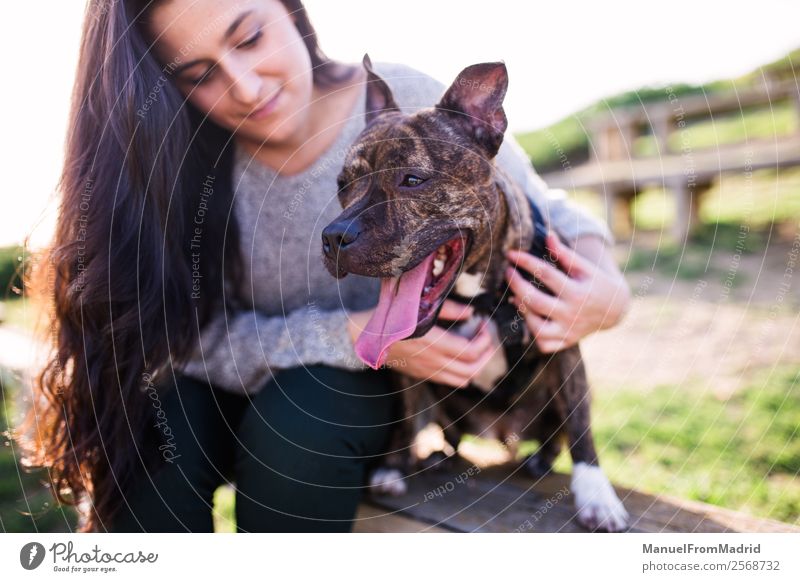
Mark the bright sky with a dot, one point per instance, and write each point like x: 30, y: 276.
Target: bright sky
x: 561, y: 56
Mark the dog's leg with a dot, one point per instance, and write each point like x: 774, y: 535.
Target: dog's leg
x: 595, y: 499
x: 550, y: 437
x: 390, y: 474
x: 543, y: 401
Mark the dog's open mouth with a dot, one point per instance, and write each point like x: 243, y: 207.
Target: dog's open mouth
x: 410, y: 301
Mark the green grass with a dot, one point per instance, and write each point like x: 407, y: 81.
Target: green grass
x: 696, y: 259
x: 224, y: 509
x: 742, y: 453
x: 767, y: 197
x: 11, y: 267
x: 653, y: 209
x: 26, y: 504
x: 768, y: 122
x: 672, y: 261
x: 17, y: 312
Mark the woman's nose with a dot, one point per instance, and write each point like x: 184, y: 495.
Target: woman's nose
x: 245, y: 86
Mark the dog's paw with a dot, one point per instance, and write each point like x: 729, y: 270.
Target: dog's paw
x: 537, y: 467
x: 596, y: 501
x: 387, y: 481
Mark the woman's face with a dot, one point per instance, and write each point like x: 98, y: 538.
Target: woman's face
x: 243, y: 63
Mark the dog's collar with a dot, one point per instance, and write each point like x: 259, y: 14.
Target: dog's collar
x: 511, y: 326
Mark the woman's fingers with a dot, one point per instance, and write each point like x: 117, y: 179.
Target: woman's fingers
x: 535, y: 323
x: 549, y: 335
x: 558, y: 282
x: 531, y: 298
x: 455, y: 346
x: 572, y: 262
x: 543, y: 330
x: 553, y: 345
x: 460, y: 373
x: 469, y: 371
x: 453, y: 360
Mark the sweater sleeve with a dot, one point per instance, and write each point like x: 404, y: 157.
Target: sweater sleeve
x: 239, y: 351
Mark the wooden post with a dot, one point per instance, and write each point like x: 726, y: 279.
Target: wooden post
x: 687, y: 200
x: 662, y: 126
x: 618, y: 211
x: 613, y: 140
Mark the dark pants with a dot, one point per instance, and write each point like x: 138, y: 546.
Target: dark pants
x: 298, y: 452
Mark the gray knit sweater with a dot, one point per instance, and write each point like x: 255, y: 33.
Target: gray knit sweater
x: 297, y: 311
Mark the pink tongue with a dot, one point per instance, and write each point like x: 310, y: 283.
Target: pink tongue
x: 395, y: 317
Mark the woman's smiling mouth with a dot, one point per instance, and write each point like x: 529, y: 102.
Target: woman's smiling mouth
x: 266, y: 109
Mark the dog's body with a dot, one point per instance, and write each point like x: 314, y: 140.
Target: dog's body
x: 427, y: 210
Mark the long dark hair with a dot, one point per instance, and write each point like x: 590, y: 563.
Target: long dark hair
x: 118, y: 275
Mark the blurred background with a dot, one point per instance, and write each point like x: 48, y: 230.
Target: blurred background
x: 677, y: 122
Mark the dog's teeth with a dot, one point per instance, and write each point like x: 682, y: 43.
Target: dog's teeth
x: 427, y: 289
x: 438, y: 267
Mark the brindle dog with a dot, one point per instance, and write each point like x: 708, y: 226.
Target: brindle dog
x: 427, y: 210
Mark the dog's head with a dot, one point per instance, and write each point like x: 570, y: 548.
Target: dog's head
x: 419, y: 198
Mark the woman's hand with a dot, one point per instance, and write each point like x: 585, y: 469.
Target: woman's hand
x: 591, y: 295
x: 440, y: 355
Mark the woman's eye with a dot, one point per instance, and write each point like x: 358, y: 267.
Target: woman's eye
x: 250, y: 42
x: 202, y: 79
x: 410, y: 180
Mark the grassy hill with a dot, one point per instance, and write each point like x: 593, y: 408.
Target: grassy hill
x: 572, y: 138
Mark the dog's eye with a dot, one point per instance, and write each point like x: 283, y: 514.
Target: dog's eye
x: 410, y: 180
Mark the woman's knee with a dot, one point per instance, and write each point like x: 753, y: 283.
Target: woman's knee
x: 323, y: 410
x: 304, y: 446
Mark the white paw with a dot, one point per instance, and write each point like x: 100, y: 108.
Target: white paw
x: 386, y: 481
x: 595, y: 499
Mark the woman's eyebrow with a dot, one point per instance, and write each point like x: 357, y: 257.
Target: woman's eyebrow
x: 228, y: 33
x: 234, y: 25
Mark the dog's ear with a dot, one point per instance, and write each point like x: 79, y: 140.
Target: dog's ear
x: 379, y: 95
x: 476, y: 99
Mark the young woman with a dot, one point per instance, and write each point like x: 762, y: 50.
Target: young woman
x: 198, y: 337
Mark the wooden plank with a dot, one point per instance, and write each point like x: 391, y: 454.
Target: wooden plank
x: 505, y: 499
x: 705, y: 165
x: 481, y: 503
x: 657, y: 513
x: 373, y: 519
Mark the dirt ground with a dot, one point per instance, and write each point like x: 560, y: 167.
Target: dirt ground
x: 714, y: 330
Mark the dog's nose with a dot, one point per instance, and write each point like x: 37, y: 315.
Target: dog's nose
x: 336, y: 237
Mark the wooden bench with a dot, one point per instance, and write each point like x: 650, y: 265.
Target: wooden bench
x: 505, y: 499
